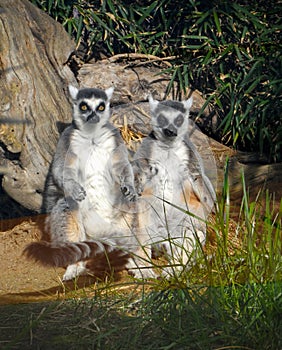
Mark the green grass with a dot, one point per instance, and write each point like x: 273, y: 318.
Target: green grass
x: 232, y: 317
x: 230, y: 299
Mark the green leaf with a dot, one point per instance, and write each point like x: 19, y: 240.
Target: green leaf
x: 216, y: 20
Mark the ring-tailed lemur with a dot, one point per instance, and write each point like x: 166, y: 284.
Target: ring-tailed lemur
x: 169, y: 174
x: 90, y: 194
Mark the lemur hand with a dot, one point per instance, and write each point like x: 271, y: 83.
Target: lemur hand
x: 129, y: 192
x: 74, y: 190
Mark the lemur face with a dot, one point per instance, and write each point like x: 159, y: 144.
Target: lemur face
x: 170, y: 119
x: 90, y: 106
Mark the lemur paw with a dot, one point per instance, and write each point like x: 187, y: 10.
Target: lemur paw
x: 153, y: 171
x: 74, y: 190
x: 129, y: 192
x: 144, y: 273
x: 74, y: 271
x: 79, y: 193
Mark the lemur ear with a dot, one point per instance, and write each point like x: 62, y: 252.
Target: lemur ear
x: 109, y: 92
x: 73, y: 91
x: 153, y: 103
x: 188, y: 103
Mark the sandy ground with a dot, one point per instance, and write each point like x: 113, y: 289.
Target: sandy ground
x: 22, y: 280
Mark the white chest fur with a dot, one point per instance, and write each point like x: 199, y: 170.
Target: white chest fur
x: 94, y: 157
x: 169, y: 163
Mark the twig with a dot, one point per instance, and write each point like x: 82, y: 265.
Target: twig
x: 136, y: 56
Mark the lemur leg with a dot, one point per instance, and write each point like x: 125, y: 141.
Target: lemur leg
x: 75, y: 270
x: 65, y: 224
x: 181, y: 250
x: 140, y: 262
x: 139, y: 265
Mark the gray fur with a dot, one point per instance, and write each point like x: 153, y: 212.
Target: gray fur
x: 90, y: 194
x: 172, y: 104
x: 169, y: 173
x: 92, y: 93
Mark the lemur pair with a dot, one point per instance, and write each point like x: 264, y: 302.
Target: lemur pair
x: 98, y: 205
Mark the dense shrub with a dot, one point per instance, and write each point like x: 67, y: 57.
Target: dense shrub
x: 230, y: 51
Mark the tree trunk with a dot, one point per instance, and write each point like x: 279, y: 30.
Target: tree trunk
x: 34, y: 50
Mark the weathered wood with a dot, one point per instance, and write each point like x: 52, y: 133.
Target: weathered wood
x: 34, y: 50
x: 134, y: 81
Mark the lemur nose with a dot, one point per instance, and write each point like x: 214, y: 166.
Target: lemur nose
x: 170, y: 132
x: 93, y: 118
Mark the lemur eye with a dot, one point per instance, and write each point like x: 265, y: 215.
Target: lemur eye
x: 83, y: 106
x: 101, y: 107
x: 162, y: 121
x: 178, y: 121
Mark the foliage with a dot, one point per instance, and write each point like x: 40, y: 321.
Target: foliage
x: 248, y: 249
x: 230, y: 51
x: 241, y: 317
x: 245, y: 316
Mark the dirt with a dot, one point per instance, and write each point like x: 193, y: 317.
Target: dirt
x: 22, y: 280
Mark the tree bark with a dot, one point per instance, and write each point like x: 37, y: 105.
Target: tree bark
x: 34, y: 50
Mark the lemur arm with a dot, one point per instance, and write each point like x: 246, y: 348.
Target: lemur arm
x: 144, y: 168
x: 201, y: 184
x: 122, y: 171
x: 65, y: 168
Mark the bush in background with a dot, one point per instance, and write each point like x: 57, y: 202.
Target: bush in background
x: 230, y: 51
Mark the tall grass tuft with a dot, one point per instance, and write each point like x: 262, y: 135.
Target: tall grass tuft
x: 225, y: 317
x: 246, y: 249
